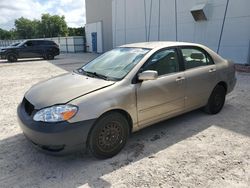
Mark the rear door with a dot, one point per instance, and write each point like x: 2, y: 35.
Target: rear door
x: 160, y: 98
x: 200, y: 74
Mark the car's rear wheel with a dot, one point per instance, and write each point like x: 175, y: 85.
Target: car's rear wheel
x: 216, y: 100
x: 109, y: 135
x: 49, y: 56
x: 12, y: 57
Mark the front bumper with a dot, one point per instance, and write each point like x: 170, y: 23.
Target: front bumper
x: 2, y: 55
x: 54, y: 138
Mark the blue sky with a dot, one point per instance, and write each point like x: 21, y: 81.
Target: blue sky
x: 73, y: 10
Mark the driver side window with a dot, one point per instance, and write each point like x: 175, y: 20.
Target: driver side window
x: 164, y: 62
x: 29, y: 44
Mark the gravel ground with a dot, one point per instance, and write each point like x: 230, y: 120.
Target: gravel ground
x: 192, y: 150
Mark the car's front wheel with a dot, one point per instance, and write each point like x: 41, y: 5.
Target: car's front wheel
x: 109, y: 135
x: 11, y: 57
x: 216, y: 100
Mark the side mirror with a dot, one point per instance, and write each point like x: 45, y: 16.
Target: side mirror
x: 148, y: 75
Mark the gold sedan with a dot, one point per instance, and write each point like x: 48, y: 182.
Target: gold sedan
x: 122, y: 91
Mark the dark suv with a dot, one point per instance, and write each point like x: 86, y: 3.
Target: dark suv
x: 46, y: 49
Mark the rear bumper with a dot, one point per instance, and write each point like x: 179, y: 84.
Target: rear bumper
x: 57, y: 52
x: 55, y: 138
x: 231, y: 85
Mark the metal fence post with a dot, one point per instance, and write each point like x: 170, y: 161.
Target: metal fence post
x: 74, y: 44
x: 248, y: 58
x: 66, y: 39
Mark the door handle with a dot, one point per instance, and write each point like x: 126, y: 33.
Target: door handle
x: 212, y: 70
x: 180, y: 78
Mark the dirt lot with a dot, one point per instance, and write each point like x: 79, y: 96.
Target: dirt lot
x: 193, y: 150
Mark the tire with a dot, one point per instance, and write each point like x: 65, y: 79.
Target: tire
x: 49, y: 56
x: 11, y: 57
x: 108, y: 136
x: 216, y: 100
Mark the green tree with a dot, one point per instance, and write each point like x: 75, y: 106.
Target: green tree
x: 53, y: 26
x: 80, y: 31
x: 26, y: 28
x: 48, y: 26
x: 4, y: 34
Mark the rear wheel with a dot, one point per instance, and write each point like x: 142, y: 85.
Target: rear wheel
x: 216, y: 100
x: 49, y: 56
x: 12, y: 57
x: 109, y: 135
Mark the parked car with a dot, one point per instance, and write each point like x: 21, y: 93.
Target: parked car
x: 30, y: 49
x: 122, y: 91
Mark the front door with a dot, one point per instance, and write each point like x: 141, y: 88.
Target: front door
x: 29, y: 50
x: 157, y: 99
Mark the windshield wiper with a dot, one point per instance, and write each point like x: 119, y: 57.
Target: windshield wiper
x: 101, y: 76
x: 93, y: 74
x: 96, y: 75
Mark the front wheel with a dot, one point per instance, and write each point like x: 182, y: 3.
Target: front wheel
x: 109, y: 135
x: 12, y: 57
x: 216, y: 100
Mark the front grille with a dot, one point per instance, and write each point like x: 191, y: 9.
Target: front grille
x: 29, y: 108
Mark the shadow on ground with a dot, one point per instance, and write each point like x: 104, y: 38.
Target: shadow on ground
x: 43, y: 170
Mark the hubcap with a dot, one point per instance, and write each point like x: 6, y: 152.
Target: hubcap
x: 12, y: 58
x: 110, y: 136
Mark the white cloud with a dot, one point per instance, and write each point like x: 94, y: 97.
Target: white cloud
x: 73, y: 10
x: 74, y: 14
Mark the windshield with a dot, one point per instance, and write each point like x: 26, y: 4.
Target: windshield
x: 21, y: 43
x: 115, y: 64
x: 15, y: 44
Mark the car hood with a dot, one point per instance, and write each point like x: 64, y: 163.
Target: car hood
x: 9, y: 47
x: 62, y: 89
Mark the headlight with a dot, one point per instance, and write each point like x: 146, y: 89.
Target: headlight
x: 56, y: 113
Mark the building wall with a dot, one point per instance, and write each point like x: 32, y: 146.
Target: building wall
x: 89, y: 29
x: 226, y: 31
x: 235, y: 42
x: 101, y: 11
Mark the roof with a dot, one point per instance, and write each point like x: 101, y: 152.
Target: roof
x: 156, y: 45
x: 159, y: 44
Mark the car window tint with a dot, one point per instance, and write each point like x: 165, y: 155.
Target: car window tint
x: 32, y: 43
x: 195, y: 58
x: 29, y: 43
x: 40, y: 43
x: 164, y: 62
x: 47, y: 43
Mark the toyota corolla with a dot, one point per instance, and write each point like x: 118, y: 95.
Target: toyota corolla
x: 97, y: 106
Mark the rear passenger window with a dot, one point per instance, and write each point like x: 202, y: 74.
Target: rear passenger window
x: 48, y: 43
x: 195, y: 58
